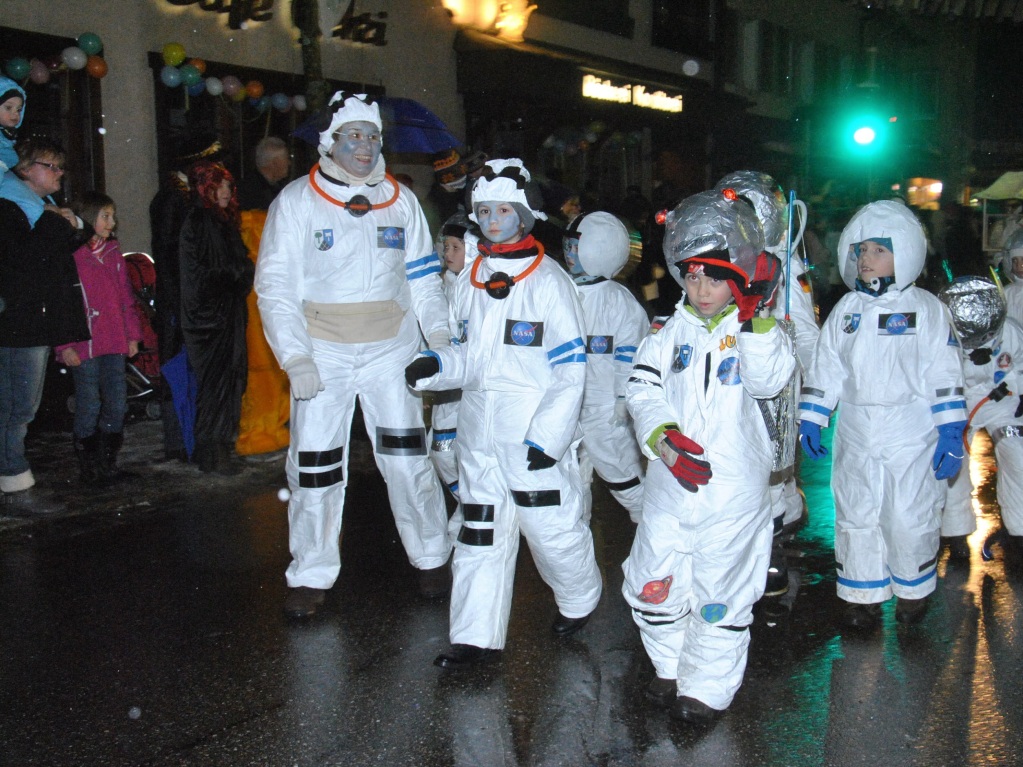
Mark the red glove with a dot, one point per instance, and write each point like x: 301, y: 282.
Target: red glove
x: 762, y: 287
x: 677, y: 452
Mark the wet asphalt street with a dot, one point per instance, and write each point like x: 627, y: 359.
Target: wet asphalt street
x: 142, y: 625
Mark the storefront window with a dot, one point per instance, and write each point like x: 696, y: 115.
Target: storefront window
x: 604, y: 15
x: 65, y: 108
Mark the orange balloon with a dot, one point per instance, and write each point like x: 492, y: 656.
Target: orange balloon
x: 254, y: 89
x: 96, y: 66
x: 199, y: 64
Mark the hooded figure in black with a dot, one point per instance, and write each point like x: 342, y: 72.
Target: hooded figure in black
x: 216, y: 276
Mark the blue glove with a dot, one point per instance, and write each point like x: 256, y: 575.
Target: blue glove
x: 810, y: 439
x: 948, y: 455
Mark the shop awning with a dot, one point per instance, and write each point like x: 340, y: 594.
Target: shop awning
x: 1009, y: 186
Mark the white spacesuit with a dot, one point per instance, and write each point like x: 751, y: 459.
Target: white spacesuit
x: 992, y: 355
x: 1013, y: 255
x: 596, y: 248
x: 700, y: 556
x: 519, y: 359
x: 796, y: 302
x: 888, y: 354
x: 346, y: 277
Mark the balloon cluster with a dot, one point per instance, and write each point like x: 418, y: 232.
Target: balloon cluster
x: 84, y: 55
x: 190, y: 75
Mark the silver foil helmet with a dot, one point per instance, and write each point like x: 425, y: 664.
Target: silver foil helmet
x: 768, y: 200
x: 717, y: 225
x: 978, y: 309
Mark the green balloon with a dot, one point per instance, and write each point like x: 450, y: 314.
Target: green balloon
x: 90, y: 43
x: 190, y: 75
x: 18, y: 68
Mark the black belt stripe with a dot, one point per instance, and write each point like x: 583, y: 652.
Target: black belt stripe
x: 322, y: 478
x: 535, y: 498
x: 624, y: 485
x: 927, y: 564
x: 478, y: 512
x: 443, y: 432
x: 314, y: 458
x: 470, y: 536
x: 394, y: 442
x: 648, y: 369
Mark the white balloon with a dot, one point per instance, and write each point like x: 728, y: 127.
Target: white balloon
x: 298, y: 102
x: 284, y: 494
x: 213, y: 86
x: 74, y: 57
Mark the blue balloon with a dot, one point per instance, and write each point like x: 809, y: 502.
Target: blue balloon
x: 281, y: 102
x: 261, y: 104
x: 197, y: 89
x: 170, y: 76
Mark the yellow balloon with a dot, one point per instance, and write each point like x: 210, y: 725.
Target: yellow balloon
x: 240, y: 95
x: 173, y: 54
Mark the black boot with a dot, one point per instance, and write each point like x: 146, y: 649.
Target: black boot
x: 110, y: 446
x: 88, y: 451
x: 205, y: 456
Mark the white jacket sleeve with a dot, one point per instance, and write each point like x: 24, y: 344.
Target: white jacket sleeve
x: 630, y: 333
x: 423, y: 270
x: 556, y: 419
x: 767, y: 360
x: 279, y: 277
x: 645, y: 391
x: 822, y: 384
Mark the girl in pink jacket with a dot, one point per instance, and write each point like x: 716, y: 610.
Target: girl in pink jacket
x: 97, y: 365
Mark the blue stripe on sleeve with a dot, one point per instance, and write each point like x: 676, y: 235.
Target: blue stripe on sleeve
x: 815, y: 408
x: 575, y: 343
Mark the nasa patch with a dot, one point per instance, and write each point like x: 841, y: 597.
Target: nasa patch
x: 391, y: 237
x: 600, y: 344
x: 523, y: 333
x: 728, y: 371
x: 324, y: 239
x: 897, y: 324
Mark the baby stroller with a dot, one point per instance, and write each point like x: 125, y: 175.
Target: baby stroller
x: 143, y: 370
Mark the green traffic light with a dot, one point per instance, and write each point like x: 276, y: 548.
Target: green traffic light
x: 864, y: 135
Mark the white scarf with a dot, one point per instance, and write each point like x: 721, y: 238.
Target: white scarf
x: 336, y: 172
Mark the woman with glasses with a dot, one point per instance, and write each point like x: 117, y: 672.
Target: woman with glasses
x: 42, y: 304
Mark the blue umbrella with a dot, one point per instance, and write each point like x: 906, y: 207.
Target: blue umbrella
x: 409, y: 128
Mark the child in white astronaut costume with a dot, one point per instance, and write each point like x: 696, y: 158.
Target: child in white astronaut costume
x: 772, y: 211
x: 455, y: 240
x: 596, y: 247
x: 992, y: 355
x: 700, y: 556
x: 521, y: 364
x: 888, y: 354
x: 346, y: 278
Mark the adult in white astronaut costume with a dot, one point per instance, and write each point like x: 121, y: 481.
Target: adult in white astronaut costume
x: 596, y: 247
x: 700, y: 556
x: 992, y: 355
x: 888, y: 354
x: 346, y: 277
x: 772, y: 211
x: 521, y: 364
x: 1012, y: 267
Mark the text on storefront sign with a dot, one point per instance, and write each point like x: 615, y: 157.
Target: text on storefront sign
x: 637, y: 95
x: 238, y: 11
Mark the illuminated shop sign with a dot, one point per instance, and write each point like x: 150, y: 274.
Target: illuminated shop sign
x: 637, y: 95
x: 239, y: 12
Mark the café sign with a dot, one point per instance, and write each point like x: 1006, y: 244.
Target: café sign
x: 239, y: 12
x: 637, y: 95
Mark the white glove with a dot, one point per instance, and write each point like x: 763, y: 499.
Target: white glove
x: 438, y: 340
x: 621, y: 414
x: 304, y: 377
